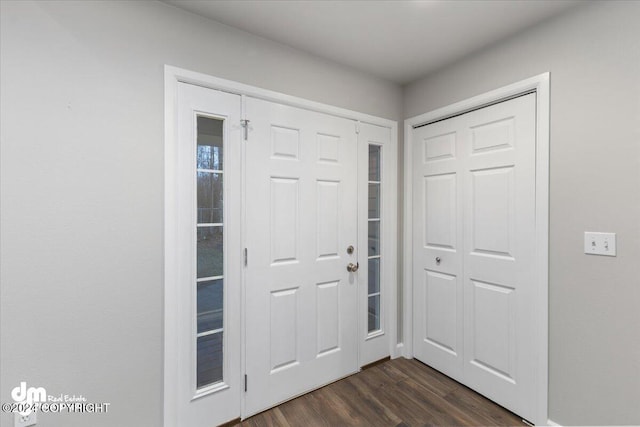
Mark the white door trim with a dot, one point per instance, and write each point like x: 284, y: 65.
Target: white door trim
x: 173, y: 76
x: 540, y: 85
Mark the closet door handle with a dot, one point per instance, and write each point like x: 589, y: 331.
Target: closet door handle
x: 438, y: 260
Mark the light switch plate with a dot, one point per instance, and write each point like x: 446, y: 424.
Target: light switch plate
x: 25, y: 420
x: 600, y: 243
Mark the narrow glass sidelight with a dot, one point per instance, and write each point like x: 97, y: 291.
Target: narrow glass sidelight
x: 209, y: 280
x: 374, y: 237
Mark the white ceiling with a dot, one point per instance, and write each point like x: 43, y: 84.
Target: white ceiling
x: 395, y: 40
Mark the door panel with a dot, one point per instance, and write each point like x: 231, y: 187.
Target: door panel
x: 208, y: 299
x: 500, y: 254
x: 437, y: 248
x: 284, y: 220
x: 474, y: 210
x: 376, y: 193
x: 493, y: 316
x: 328, y: 317
x: 440, y: 206
x: 440, y: 302
x: 327, y: 214
x: 301, y: 197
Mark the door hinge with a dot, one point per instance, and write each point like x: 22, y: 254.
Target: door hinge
x: 245, y: 382
x: 357, y: 127
x: 245, y: 125
x: 246, y: 256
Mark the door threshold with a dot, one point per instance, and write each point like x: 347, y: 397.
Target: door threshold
x: 376, y: 363
x: 302, y: 394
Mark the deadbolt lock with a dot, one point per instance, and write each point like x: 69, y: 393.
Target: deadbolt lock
x: 350, y: 249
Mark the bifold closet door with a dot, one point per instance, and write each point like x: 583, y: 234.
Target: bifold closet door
x: 301, y: 208
x: 474, y: 250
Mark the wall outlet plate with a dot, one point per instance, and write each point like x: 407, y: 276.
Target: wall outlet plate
x: 600, y: 243
x: 25, y: 420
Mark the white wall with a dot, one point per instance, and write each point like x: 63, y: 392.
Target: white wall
x: 593, y: 54
x: 82, y: 185
x: 82, y: 182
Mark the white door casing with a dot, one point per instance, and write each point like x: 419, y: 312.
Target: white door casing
x: 474, y: 250
x: 219, y: 402
x: 301, y: 302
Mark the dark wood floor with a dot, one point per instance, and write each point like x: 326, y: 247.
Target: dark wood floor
x: 399, y: 392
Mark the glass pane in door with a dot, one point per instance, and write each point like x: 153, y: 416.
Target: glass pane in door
x: 210, y: 299
x: 374, y: 237
x: 210, y: 252
x: 209, y: 279
x: 209, y: 359
x: 209, y: 197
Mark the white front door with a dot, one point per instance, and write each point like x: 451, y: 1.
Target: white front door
x: 301, y: 216
x: 205, y: 367
x: 474, y: 250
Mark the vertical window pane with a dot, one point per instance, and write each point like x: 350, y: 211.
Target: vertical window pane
x: 210, y: 302
x: 374, y: 200
x: 373, y: 298
x: 209, y: 143
x: 209, y: 197
x: 210, y: 256
x: 209, y: 250
x: 374, y: 275
x: 209, y: 359
x: 374, y: 163
x: 374, y: 238
x: 374, y: 313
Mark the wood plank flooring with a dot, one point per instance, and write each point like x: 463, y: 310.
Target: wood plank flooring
x: 399, y: 392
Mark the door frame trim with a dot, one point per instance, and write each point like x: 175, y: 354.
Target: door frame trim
x: 172, y: 77
x: 540, y: 85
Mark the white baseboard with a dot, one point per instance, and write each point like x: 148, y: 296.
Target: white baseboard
x: 398, y: 351
x: 553, y: 423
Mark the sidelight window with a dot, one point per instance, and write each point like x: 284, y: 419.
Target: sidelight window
x: 374, y: 225
x: 210, y: 254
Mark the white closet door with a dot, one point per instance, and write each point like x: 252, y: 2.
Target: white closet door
x: 474, y: 256
x: 499, y: 262
x: 301, y: 200
x: 438, y: 164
